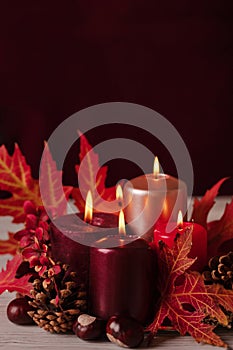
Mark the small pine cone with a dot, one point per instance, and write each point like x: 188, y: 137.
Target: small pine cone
x: 57, y: 301
x: 220, y: 270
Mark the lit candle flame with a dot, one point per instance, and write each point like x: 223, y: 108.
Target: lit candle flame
x: 180, y: 220
x: 156, y: 167
x: 119, y: 195
x: 122, y: 223
x: 88, y: 214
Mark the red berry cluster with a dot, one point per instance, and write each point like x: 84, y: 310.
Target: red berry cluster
x: 34, y: 241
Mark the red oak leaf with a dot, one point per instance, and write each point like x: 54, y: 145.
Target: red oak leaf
x: 10, y: 283
x: 15, y: 177
x: 202, y: 207
x: 54, y: 195
x: 10, y: 245
x: 184, y: 297
x: 91, y: 177
x: 220, y: 232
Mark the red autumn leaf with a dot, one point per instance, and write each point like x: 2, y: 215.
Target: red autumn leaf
x: 194, y: 292
x: 10, y: 283
x: 202, y: 207
x: 10, y: 245
x: 92, y: 178
x: 220, y: 231
x: 54, y: 195
x: 15, y: 177
x: 184, y: 297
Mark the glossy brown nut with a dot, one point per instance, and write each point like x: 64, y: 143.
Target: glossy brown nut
x: 88, y: 327
x: 17, y: 311
x: 124, y: 331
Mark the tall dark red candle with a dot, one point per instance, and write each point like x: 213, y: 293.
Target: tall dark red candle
x: 122, y: 279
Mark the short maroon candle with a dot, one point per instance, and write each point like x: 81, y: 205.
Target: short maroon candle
x: 71, y: 240
x: 199, y: 241
x: 122, y: 278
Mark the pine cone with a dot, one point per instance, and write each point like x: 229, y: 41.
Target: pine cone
x: 57, y: 301
x: 220, y: 270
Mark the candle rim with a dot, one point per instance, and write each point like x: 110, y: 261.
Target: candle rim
x: 179, y: 184
x: 67, y: 223
x: 186, y: 224
x: 133, y: 237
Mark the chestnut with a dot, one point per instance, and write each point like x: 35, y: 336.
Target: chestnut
x: 17, y: 311
x: 88, y: 327
x: 124, y: 331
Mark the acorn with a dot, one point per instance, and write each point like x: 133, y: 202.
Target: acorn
x: 17, y: 311
x: 124, y: 331
x: 88, y: 327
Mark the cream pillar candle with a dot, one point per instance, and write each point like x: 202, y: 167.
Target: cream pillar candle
x: 153, y: 198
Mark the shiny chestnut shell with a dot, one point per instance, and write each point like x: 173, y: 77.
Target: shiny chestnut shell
x: 17, y: 311
x: 89, y: 327
x: 124, y: 331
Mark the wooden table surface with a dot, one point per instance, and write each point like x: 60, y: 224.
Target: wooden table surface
x: 32, y: 337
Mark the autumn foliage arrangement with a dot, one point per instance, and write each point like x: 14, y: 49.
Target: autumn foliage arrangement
x: 190, y: 304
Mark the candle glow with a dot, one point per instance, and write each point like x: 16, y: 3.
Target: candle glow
x: 122, y: 223
x: 165, y: 208
x: 88, y: 214
x: 156, y: 167
x: 180, y: 220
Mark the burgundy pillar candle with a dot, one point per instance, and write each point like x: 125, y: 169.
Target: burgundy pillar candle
x: 122, y: 278
x: 71, y: 240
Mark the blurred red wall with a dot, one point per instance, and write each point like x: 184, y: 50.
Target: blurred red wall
x: 57, y: 57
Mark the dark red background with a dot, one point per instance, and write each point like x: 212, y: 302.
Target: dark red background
x: 173, y: 56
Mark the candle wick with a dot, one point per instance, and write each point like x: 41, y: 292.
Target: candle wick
x: 121, y: 242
